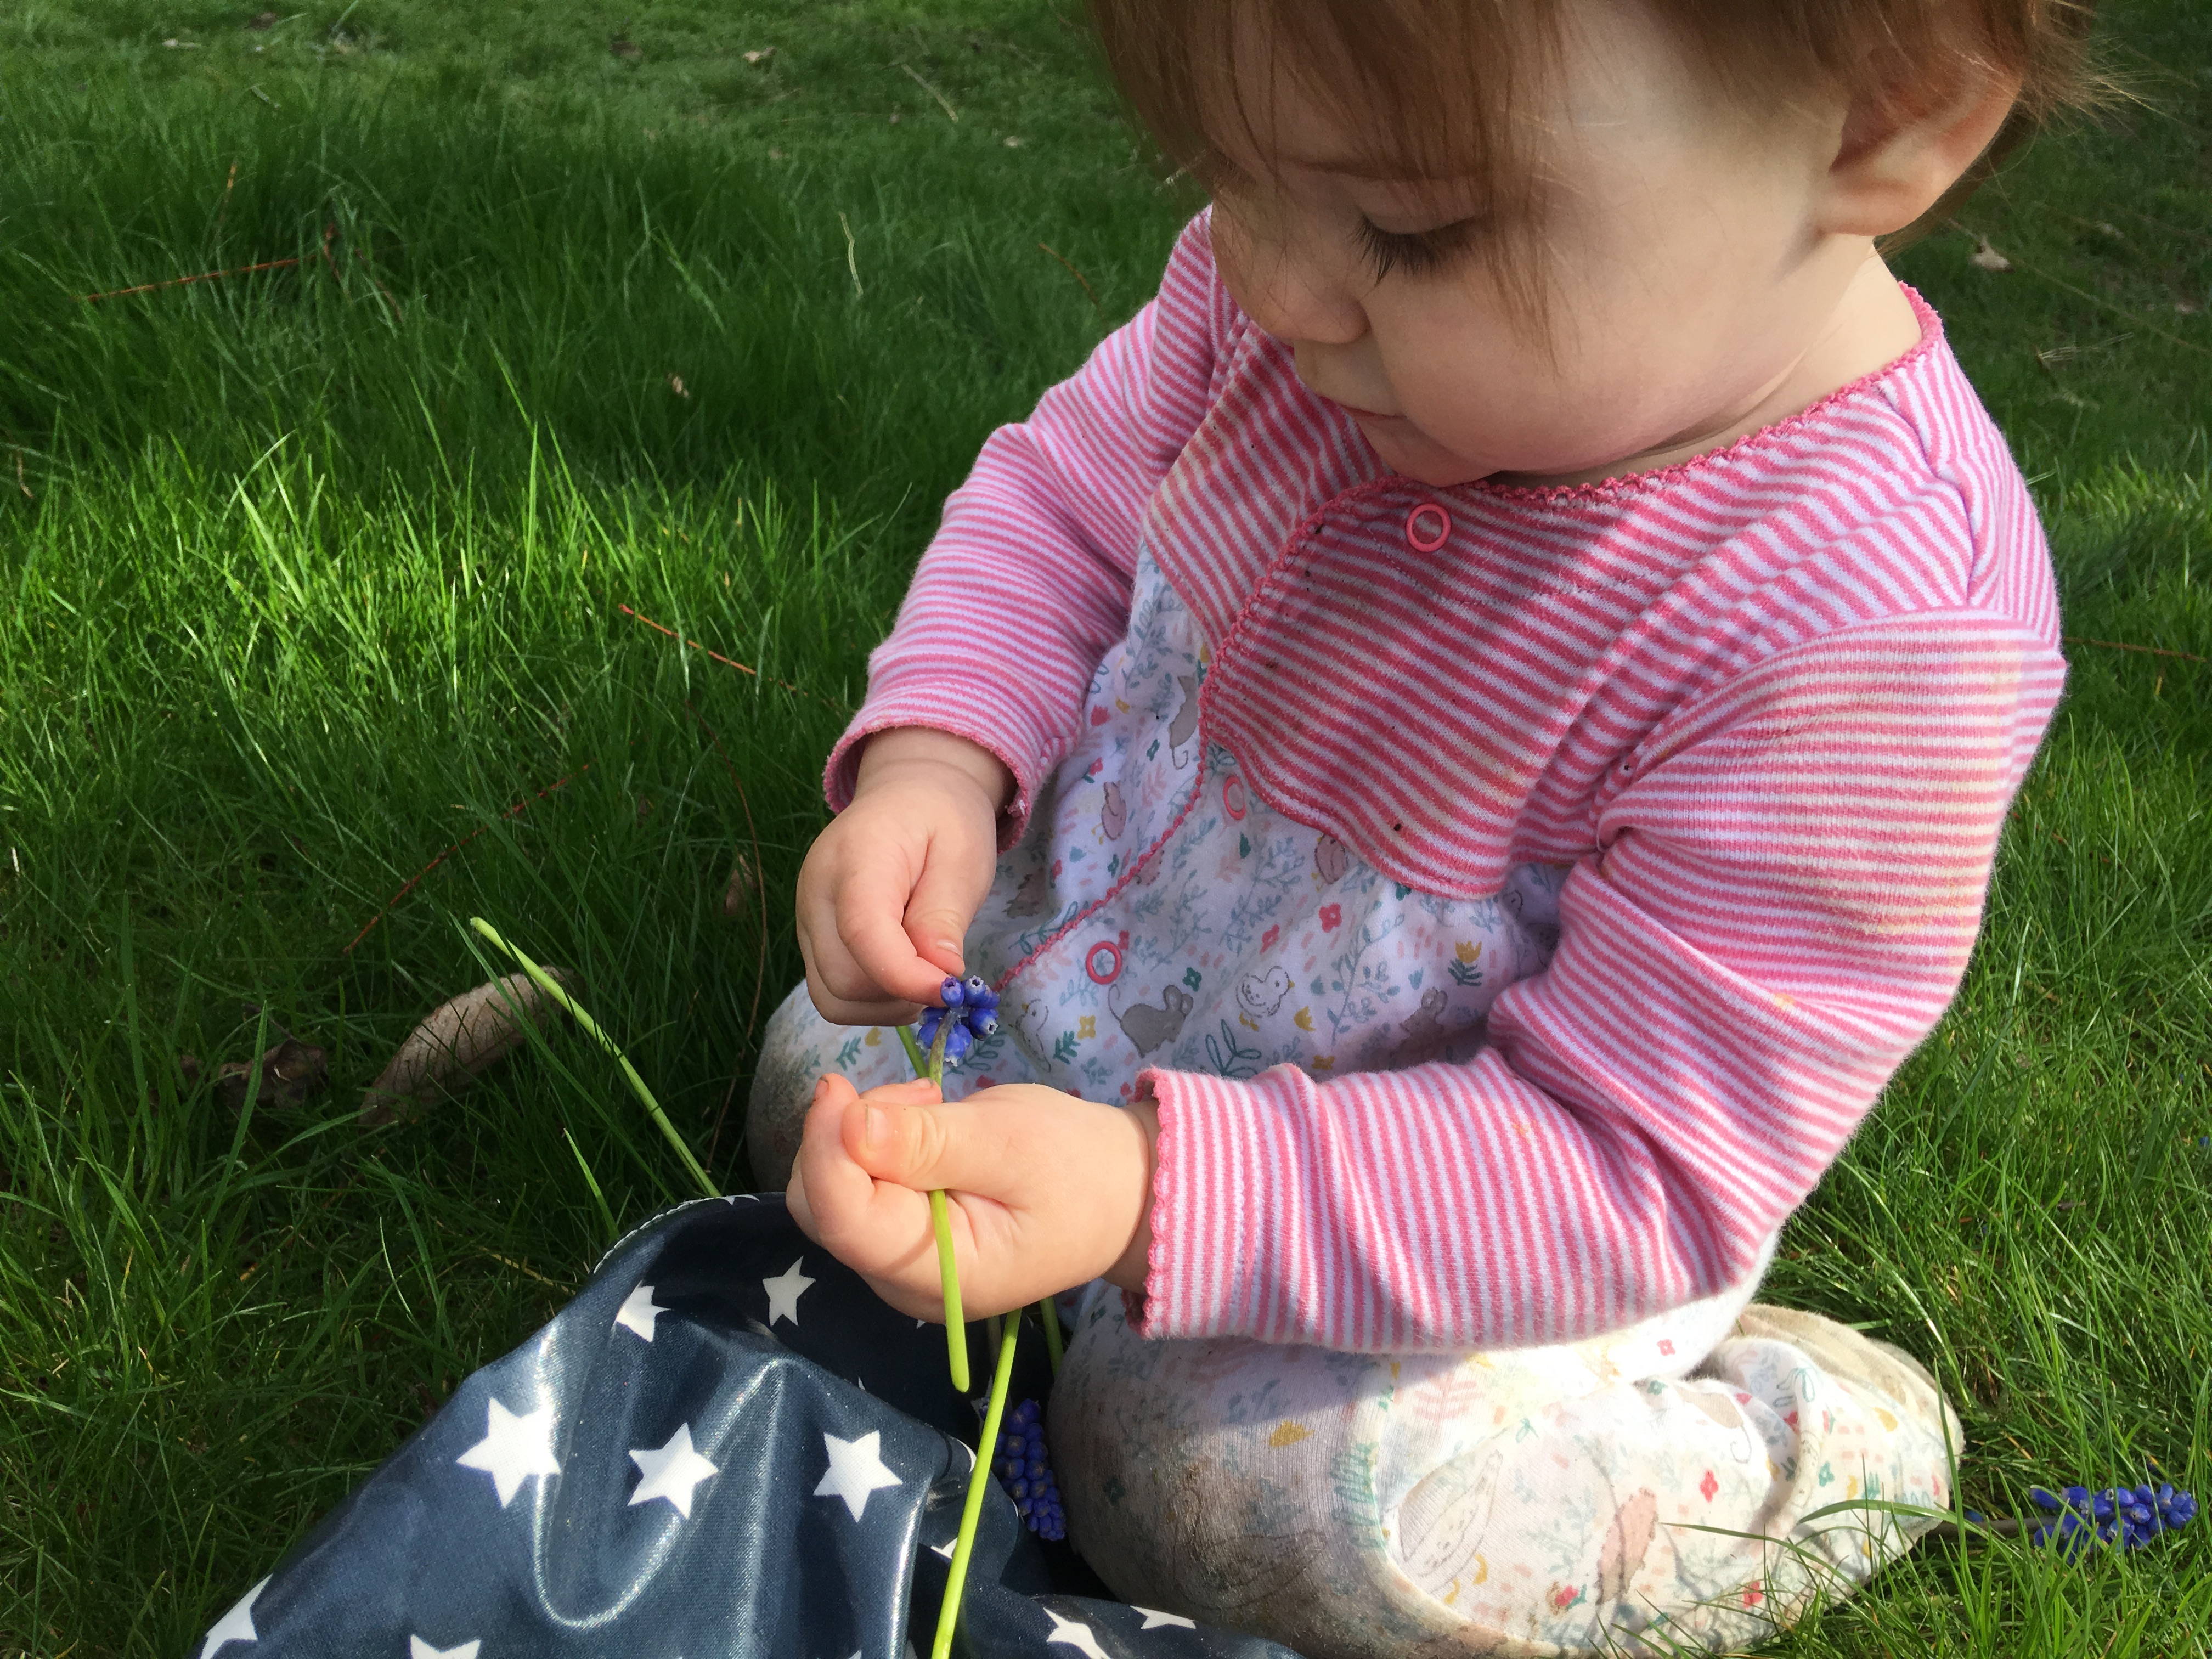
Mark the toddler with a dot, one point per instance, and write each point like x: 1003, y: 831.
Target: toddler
x: 1470, y: 736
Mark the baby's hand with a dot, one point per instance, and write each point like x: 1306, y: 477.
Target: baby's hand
x: 888, y: 890
x: 1047, y: 1191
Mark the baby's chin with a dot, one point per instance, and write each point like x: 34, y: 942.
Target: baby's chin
x: 1411, y: 453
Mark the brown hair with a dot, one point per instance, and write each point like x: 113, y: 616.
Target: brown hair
x: 1432, y: 86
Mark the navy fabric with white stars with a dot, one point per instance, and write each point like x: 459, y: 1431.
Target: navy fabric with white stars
x: 727, y: 1445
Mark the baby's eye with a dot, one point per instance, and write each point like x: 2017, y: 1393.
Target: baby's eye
x: 1415, y: 252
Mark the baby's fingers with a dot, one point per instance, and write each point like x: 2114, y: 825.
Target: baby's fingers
x: 843, y: 991
x: 871, y: 908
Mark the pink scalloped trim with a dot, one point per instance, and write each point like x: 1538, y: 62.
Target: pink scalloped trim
x: 1138, y: 1306
x: 1931, y: 332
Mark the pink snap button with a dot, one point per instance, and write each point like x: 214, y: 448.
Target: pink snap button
x: 1428, y: 526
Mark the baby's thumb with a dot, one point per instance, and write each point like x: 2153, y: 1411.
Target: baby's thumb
x: 922, y: 1146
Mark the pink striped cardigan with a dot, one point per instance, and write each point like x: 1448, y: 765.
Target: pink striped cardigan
x: 1771, y: 704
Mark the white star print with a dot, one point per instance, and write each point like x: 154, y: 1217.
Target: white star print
x: 1076, y: 1636
x: 236, y: 1625
x: 856, y: 1469
x: 784, y: 1291
x: 671, y: 1472
x: 512, y: 1449
x: 639, y: 1311
x: 419, y: 1648
x: 1153, y: 1620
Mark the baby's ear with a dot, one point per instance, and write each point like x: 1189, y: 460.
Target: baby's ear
x: 1909, y: 138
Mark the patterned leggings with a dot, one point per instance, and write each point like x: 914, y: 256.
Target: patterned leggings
x: 1689, y: 1482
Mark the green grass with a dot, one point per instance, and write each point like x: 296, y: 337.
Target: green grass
x: 311, y: 573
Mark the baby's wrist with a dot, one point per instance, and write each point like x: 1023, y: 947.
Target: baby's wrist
x: 905, y: 751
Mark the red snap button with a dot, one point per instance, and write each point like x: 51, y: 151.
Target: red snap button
x: 1428, y: 526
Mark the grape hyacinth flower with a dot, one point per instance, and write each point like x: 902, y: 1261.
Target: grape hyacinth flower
x: 2130, y: 1516
x: 970, y: 1014
x: 1027, y: 1476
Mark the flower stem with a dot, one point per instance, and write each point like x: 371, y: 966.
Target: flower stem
x: 546, y: 983
x: 1049, y: 1316
x: 956, y: 1581
x: 948, y: 1275
x: 914, y: 1056
x: 932, y: 1066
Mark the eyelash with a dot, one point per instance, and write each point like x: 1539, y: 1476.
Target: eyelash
x: 1417, y: 253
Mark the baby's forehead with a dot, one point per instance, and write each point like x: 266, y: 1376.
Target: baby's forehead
x: 1275, y: 109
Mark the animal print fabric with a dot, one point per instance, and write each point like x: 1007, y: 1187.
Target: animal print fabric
x: 1654, y: 1491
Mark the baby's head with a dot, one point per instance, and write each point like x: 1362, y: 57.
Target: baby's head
x: 1547, y: 240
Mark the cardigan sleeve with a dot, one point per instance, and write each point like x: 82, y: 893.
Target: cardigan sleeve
x: 1028, y: 581
x: 1789, y: 879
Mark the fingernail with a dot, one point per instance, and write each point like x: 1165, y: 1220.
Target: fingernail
x: 950, y: 947
x: 820, y: 1083
x: 873, y: 1129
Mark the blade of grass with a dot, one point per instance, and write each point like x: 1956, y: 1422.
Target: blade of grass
x: 546, y: 983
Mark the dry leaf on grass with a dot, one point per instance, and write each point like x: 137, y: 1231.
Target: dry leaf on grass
x: 458, y: 1040
x: 623, y: 46
x: 291, y: 1072
x: 757, y: 58
x: 1987, y: 258
x: 266, y: 20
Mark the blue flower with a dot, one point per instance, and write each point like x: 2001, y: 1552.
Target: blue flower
x: 969, y: 1013
x: 1026, y: 1475
x: 2127, y: 1516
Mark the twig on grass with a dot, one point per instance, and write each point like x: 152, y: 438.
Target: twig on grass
x: 524, y: 1268
x: 223, y: 207
x: 2121, y: 645
x: 329, y: 256
x: 204, y: 276
x: 852, y: 263
x: 732, y: 662
x: 943, y: 102
x: 1090, y: 292
x: 420, y: 876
